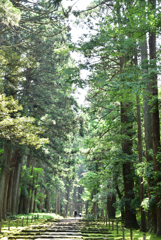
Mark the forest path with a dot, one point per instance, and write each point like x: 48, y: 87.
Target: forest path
x: 66, y: 229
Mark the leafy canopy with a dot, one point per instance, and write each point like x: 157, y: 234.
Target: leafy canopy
x: 17, y: 128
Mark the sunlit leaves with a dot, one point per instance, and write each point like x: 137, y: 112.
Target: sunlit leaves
x: 16, y: 128
x: 90, y: 180
x: 9, y: 15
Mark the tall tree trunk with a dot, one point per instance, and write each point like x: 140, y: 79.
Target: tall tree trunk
x: 16, y: 187
x: 126, y: 121
x: 24, y: 206
x: 58, y: 203
x: 130, y: 214
x: 21, y: 204
x: 9, y: 197
x: 126, y: 111
x: 34, y: 209
x: 94, y: 210
x: 4, y: 178
x: 111, y: 199
x: 6, y: 194
x: 74, y: 199
x: 47, y: 201
x: 148, y: 128
x: 140, y: 152
x: 86, y: 206
x: 120, y: 195
x: 67, y: 199
x: 12, y: 167
x: 80, y: 190
x: 155, y: 119
x: 29, y: 189
x: 32, y: 201
x: 102, y: 213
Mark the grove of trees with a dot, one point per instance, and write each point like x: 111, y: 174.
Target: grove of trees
x: 103, y: 158
x: 37, y: 109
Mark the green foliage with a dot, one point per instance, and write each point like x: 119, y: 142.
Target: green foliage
x: 9, y: 14
x: 36, y: 68
x: 145, y: 204
x: 13, y: 126
x: 25, y: 181
x: 89, y: 180
x: 38, y: 170
x: 115, y: 40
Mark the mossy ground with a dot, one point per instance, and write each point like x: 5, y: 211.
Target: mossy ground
x: 113, y: 235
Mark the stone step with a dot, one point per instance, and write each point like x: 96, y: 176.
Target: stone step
x: 22, y: 238
x: 64, y: 230
x: 58, y: 238
x: 99, y: 238
x: 61, y: 230
x: 63, y: 233
x: 34, y: 231
x: 28, y: 234
x: 68, y: 237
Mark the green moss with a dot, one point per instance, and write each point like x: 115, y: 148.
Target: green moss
x: 112, y: 234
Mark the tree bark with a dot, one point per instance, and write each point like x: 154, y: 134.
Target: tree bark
x: 4, y: 178
x: 12, y: 168
x: 9, y: 197
x: 47, y: 201
x: 58, y: 204
x: 16, y: 185
x: 21, y: 204
x: 148, y: 129
x: 87, y: 205
x: 80, y: 190
x: 94, y: 210
x: 24, y: 206
x: 67, y: 198
x: 140, y: 152
x: 111, y: 199
x: 130, y: 214
x: 34, y: 208
x: 32, y: 201
x: 126, y: 122
x: 31, y: 190
x: 120, y: 195
x: 155, y: 118
x: 27, y: 200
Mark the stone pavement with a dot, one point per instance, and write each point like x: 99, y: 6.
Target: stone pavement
x: 66, y: 229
